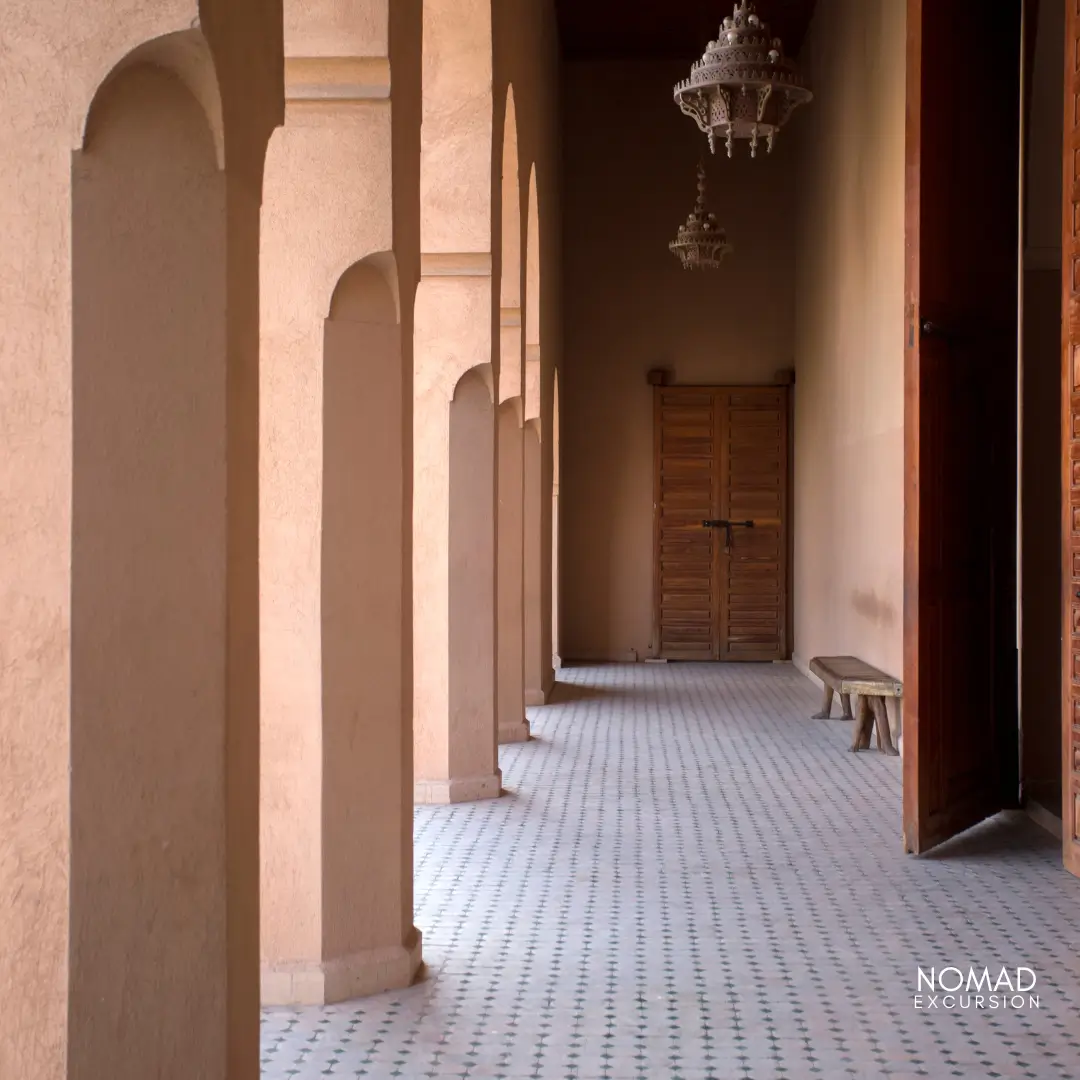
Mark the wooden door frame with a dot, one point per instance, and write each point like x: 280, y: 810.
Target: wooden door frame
x: 1070, y: 447
x: 786, y: 389
x: 912, y: 420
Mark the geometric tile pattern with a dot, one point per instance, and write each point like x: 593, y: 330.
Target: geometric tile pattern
x: 690, y: 879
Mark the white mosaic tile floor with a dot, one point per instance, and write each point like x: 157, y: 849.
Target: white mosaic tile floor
x: 690, y: 879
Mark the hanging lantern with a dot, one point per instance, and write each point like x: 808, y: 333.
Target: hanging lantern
x: 743, y: 87
x: 701, y: 243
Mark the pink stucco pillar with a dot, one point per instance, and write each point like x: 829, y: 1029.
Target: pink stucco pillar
x: 454, y: 535
x: 129, y: 536
x: 513, y: 727
x: 336, y: 829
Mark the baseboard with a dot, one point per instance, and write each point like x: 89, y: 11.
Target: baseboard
x: 373, y: 971
x: 587, y: 659
x: 457, y: 790
x: 514, y: 733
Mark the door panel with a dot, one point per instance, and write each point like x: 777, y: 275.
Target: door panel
x: 753, y: 487
x: 1070, y: 376
x: 720, y: 454
x: 960, y: 660
x: 685, y: 474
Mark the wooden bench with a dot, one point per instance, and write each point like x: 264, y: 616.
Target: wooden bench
x: 847, y: 676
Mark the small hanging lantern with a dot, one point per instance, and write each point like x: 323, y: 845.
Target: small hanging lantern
x: 701, y: 243
x: 743, y: 87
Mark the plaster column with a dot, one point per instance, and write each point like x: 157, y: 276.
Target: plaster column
x: 535, y: 667
x: 454, y: 542
x: 513, y: 727
x: 336, y: 830
x: 539, y: 673
x: 556, y: 657
x: 128, y: 536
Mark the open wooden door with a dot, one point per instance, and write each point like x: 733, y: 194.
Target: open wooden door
x: 961, y: 752
x: 1070, y: 397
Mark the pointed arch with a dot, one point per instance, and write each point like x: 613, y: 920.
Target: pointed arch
x: 533, y: 304
x: 510, y: 283
x: 513, y: 727
x: 510, y: 337
x: 534, y: 513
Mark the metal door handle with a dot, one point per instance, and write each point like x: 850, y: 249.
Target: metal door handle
x: 929, y: 328
x: 727, y: 526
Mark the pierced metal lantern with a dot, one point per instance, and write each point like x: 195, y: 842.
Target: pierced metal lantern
x: 743, y: 87
x: 701, y: 243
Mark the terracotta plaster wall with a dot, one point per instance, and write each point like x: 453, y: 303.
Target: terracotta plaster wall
x: 629, y: 183
x: 849, y: 336
x: 336, y: 28
x: 78, y: 962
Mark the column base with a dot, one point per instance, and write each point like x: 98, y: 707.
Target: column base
x: 457, y: 790
x: 361, y: 974
x: 514, y: 733
x: 535, y: 697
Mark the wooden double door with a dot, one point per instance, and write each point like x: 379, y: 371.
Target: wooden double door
x: 720, y: 562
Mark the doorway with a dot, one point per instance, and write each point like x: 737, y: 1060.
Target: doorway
x: 720, y: 523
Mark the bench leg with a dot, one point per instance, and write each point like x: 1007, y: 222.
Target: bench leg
x: 845, y: 703
x: 881, y: 718
x: 863, y: 723
x: 826, y: 709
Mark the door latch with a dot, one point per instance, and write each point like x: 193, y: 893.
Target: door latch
x: 727, y: 526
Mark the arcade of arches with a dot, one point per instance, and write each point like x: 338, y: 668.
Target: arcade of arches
x: 326, y: 436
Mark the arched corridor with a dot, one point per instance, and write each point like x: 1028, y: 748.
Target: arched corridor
x: 381, y: 482
x: 688, y: 878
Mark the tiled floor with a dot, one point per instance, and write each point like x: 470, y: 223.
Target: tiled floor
x: 690, y: 879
